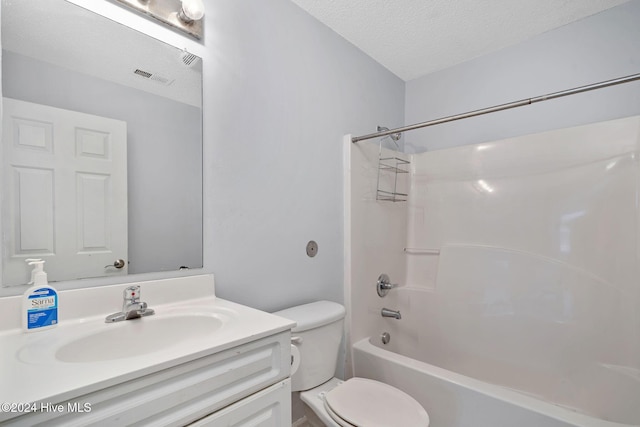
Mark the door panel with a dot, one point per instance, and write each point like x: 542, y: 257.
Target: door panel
x: 65, y: 174
x: 34, y: 211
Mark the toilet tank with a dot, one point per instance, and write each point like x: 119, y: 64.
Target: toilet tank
x: 317, y: 337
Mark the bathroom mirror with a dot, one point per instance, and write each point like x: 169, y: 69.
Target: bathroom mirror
x: 102, y: 146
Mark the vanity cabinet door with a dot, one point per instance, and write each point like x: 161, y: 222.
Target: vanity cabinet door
x: 270, y: 407
x: 187, y: 392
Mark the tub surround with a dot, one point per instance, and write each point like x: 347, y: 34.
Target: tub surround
x: 32, y: 371
x: 375, y: 235
x: 524, y: 278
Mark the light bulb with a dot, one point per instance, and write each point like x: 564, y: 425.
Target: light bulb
x: 192, y: 10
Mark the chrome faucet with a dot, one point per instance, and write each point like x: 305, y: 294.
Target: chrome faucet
x: 132, y: 307
x: 391, y: 313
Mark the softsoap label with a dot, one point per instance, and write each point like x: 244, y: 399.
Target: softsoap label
x: 42, y: 308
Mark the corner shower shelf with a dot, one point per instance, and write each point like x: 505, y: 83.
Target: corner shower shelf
x: 391, y: 167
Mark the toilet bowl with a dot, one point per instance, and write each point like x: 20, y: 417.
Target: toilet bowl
x: 356, y: 402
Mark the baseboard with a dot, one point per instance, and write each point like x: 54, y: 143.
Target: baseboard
x: 299, y: 423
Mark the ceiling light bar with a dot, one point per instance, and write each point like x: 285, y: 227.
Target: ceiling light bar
x: 185, y: 15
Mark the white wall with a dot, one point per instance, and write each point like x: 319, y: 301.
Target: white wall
x: 600, y: 47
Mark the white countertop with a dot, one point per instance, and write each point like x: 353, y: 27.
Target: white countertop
x: 30, y: 372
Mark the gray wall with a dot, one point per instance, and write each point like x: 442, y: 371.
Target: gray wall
x: 164, y: 156
x: 281, y: 90
x: 600, y: 47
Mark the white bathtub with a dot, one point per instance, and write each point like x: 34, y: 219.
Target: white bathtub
x: 455, y: 400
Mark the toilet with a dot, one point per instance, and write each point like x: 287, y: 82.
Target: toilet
x: 359, y: 402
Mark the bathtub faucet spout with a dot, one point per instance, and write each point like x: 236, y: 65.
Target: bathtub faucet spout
x: 391, y: 313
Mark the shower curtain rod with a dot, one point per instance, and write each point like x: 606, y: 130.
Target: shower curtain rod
x: 501, y: 107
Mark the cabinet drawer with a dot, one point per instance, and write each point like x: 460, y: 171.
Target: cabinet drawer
x: 268, y: 408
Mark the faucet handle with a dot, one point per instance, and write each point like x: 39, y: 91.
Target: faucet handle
x: 384, y: 285
x: 132, y: 293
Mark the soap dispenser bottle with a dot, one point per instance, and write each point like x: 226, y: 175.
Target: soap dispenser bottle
x: 40, y: 301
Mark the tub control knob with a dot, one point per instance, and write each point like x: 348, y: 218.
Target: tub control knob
x: 385, y: 338
x: 384, y: 285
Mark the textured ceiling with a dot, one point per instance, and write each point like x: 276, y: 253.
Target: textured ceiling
x: 412, y: 38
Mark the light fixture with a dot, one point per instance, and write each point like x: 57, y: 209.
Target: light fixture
x: 185, y: 15
x: 191, y: 10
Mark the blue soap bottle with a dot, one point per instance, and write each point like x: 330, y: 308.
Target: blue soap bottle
x: 40, y: 302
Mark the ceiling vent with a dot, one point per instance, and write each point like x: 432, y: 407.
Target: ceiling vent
x: 154, y: 77
x: 188, y: 59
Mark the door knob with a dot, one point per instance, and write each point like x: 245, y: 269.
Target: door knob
x: 119, y: 263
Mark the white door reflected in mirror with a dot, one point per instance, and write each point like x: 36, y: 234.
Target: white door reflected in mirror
x: 66, y: 175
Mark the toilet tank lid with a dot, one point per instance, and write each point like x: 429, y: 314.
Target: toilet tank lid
x: 313, y: 315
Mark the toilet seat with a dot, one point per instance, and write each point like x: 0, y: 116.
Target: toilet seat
x: 365, y: 402
x: 335, y: 417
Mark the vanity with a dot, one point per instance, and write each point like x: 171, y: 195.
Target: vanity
x: 77, y: 148
x: 198, y: 360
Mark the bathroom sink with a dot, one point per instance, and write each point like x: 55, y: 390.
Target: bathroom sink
x: 190, y: 332
x: 97, y: 341
x: 137, y: 337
